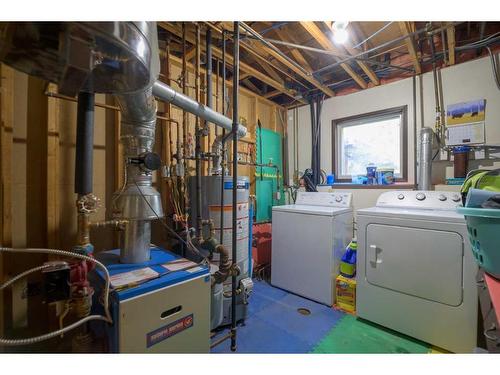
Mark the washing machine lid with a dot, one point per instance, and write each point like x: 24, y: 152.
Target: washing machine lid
x: 311, y: 210
x: 408, y: 213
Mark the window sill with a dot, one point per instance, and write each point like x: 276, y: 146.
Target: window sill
x: 397, y: 185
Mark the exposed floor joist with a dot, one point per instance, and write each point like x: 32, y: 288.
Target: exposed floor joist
x: 406, y: 29
x: 450, y: 34
x: 295, y: 53
x: 245, y: 68
x: 364, y: 66
x: 268, y: 51
x: 328, y: 45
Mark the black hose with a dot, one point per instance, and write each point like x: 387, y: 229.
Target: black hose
x: 84, y: 143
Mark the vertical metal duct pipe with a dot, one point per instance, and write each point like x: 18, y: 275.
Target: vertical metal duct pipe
x: 425, y: 159
x: 138, y: 202
x: 236, y: 79
x: 84, y: 161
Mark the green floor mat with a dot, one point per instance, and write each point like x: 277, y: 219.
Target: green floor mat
x: 352, y: 335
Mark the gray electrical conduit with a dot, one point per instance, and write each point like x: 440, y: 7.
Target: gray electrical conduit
x: 47, y: 336
x: 494, y: 66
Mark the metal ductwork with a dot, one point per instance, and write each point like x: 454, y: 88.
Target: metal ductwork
x: 138, y: 201
x: 425, y: 159
x: 168, y: 94
x: 119, y: 58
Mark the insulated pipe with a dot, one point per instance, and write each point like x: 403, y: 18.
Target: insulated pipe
x: 167, y: 93
x: 425, y: 159
x: 84, y: 143
x: 236, y: 79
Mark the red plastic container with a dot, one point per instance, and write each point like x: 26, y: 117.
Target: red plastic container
x: 261, y: 244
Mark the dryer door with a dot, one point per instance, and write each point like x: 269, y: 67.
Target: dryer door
x: 420, y: 262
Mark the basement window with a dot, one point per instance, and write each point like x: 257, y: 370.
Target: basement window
x: 377, y: 138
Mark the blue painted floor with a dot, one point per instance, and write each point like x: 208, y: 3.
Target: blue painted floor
x: 275, y: 326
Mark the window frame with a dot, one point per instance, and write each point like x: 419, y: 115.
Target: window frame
x: 336, y: 124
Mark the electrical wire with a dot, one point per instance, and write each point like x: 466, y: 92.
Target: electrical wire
x: 32, y: 340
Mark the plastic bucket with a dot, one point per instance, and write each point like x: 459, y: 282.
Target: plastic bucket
x: 483, y: 226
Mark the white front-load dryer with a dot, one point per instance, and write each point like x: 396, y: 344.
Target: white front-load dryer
x: 415, y: 270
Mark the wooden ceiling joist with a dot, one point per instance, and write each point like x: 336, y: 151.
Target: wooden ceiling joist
x: 270, y: 71
x: 406, y: 29
x: 364, y: 66
x: 251, y: 86
x: 450, y: 34
x: 328, y: 45
x: 271, y: 94
x: 191, y: 53
x: 174, y: 60
x: 245, y: 68
x: 295, y: 52
x: 257, y: 47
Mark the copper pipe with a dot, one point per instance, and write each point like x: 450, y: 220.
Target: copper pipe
x: 184, y: 120
x: 168, y: 106
x: 52, y: 94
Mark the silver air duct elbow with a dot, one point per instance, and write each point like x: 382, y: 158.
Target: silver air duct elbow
x: 425, y: 159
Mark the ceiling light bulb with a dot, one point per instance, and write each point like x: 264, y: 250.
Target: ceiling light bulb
x: 340, y: 34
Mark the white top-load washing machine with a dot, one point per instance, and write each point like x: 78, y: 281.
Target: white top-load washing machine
x: 415, y: 270
x: 308, y: 240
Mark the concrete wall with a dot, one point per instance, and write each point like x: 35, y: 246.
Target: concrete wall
x: 467, y: 81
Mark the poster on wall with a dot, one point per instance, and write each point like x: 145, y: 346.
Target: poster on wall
x: 465, y: 123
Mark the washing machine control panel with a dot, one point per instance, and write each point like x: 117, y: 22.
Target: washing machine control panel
x: 332, y: 199
x: 432, y: 200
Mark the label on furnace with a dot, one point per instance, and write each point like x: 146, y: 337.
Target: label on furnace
x: 163, y: 333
